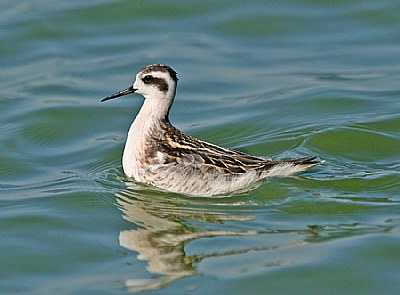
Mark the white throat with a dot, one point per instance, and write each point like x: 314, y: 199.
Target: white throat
x: 151, y: 113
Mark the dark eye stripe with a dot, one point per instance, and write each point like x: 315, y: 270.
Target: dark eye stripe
x: 161, y: 84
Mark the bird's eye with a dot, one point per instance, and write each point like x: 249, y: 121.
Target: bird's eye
x: 147, y: 79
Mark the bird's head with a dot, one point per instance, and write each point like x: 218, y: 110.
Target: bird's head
x: 156, y: 81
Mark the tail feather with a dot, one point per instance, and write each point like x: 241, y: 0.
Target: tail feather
x: 306, y: 161
x: 289, y: 167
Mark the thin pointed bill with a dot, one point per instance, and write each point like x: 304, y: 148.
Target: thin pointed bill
x: 121, y: 93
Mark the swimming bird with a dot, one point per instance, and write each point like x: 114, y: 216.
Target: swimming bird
x: 161, y: 155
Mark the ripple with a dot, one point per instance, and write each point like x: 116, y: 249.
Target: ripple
x: 276, y: 79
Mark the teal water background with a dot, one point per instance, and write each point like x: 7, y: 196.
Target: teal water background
x: 275, y: 78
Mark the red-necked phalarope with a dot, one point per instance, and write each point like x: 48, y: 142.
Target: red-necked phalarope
x: 159, y: 154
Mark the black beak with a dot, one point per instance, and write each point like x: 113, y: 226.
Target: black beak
x: 121, y: 93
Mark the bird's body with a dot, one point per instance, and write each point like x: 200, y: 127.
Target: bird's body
x: 161, y: 155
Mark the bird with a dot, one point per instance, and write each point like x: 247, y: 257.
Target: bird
x: 160, y: 155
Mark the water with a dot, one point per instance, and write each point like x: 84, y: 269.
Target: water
x: 278, y: 79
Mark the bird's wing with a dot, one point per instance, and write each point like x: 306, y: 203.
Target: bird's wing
x: 190, y: 151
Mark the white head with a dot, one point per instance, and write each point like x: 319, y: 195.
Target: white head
x: 157, y: 83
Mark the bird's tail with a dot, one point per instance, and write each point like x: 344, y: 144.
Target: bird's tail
x: 305, y: 162
x: 289, y: 167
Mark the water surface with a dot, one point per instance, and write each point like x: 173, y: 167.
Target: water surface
x: 281, y: 80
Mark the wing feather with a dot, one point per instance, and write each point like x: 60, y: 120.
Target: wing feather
x: 190, y: 151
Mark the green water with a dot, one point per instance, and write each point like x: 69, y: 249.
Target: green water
x: 278, y: 78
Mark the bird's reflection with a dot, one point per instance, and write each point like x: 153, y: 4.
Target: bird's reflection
x: 165, y: 229
x: 161, y: 232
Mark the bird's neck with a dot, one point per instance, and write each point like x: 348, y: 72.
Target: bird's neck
x: 152, y: 116
x: 149, y: 123
x: 154, y: 110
